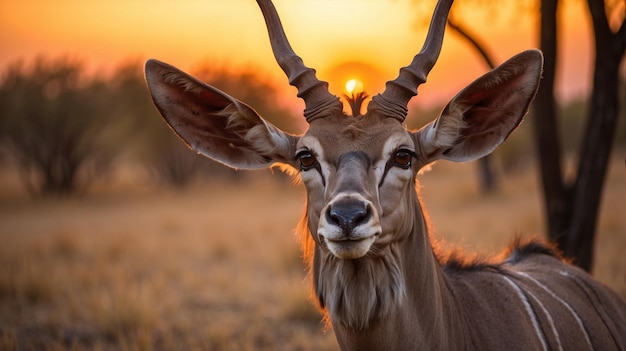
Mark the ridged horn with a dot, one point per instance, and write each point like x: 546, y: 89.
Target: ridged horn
x: 317, y: 98
x: 394, y: 100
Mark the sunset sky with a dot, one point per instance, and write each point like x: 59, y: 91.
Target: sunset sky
x: 363, y: 39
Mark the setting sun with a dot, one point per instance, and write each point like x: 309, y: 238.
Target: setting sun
x: 341, y: 40
x: 354, y: 86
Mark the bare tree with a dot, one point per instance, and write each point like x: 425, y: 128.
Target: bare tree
x: 571, y: 205
x: 487, y: 175
x: 51, y: 117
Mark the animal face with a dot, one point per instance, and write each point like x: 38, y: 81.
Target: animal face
x: 359, y: 171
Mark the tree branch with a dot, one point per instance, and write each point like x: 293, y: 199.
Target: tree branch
x: 457, y: 28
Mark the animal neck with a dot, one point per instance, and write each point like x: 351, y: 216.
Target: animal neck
x: 390, y: 299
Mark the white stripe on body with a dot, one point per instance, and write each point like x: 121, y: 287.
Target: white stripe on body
x: 529, y: 310
x: 564, y: 303
x: 550, y: 320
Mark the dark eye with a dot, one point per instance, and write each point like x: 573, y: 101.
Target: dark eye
x: 402, y: 158
x: 307, y: 160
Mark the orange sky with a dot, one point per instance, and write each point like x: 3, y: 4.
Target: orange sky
x: 368, y: 38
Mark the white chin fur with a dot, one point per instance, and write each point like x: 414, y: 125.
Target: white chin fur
x: 350, y: 249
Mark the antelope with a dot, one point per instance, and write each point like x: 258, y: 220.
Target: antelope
x: 373, y: 268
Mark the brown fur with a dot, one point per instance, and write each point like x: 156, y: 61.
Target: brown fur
x: 364, y: 234
x: 571, y: 310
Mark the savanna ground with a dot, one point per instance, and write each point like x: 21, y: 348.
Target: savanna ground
x: 218, y: 266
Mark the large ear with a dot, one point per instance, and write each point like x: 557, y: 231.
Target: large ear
x: 215, y: 124
x: 482, y: 115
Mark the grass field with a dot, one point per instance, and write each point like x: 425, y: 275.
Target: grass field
x: 218, y: 266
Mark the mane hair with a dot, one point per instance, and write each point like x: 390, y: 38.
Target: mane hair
x: 356, y: 101
x: 452, y: 258
x: 518, y: 251
x: 456, y: 261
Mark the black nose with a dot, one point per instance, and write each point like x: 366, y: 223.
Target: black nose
x: 347, y: 214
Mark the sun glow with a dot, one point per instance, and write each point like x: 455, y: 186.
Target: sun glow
x: 354, y: 86
x: 105, y: 34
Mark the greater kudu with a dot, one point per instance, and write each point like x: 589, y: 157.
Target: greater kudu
x: 373, y: 267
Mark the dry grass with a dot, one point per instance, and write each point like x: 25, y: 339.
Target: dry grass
x: 218, y: 267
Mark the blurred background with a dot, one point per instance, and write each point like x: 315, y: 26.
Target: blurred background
x: 114, y: 236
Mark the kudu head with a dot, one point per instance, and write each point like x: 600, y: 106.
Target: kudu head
x: 359, y: 172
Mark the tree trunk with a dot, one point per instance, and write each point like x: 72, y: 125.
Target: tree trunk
x: 598, y: 139
x: 487, y: 175
x: 572, y: 207
x: 556, y: 199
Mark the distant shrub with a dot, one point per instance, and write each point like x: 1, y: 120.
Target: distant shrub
x: 52, y: 121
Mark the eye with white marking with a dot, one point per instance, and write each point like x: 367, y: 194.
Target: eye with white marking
x: 402, y: 158
x: 307, y: 160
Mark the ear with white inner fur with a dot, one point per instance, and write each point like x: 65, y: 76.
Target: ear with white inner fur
x: 481, y: 116
x: 215, y: 124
